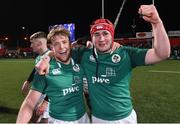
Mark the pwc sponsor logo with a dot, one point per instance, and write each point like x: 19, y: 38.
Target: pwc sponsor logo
x: 100, y: 80
x: 70, y: 90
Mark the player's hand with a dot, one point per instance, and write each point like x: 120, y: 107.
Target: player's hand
x: 89, y: 44
x: 115, y: 46
x: 25, y: 88
x: 42, y: 66
x: 41, y: 108
x: 149, y: 14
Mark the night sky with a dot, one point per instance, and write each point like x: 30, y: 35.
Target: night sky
x: 36, y: 15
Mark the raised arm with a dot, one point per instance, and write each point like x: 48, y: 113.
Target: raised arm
x: 161, y: 44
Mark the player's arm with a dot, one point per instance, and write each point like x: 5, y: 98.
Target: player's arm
x: 31, y: 76
x: 28, y: 106
x: 161, y: 44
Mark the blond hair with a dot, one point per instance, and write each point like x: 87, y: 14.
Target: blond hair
x: 39, y: 34
x: 58, y: 31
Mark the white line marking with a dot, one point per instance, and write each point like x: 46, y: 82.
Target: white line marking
x: 157, y: 71
x: 8, y: 61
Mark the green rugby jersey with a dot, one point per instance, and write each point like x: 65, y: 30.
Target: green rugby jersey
x: 109, y: 83
x: 63, y: 86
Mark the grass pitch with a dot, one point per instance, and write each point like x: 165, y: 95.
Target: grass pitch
x: 155, y: 90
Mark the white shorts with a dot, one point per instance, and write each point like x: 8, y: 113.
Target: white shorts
x: 82, y: 120
x: 131, y: 119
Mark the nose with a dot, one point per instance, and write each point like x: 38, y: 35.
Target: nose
x: 60, y: 45
x: 101, y: 38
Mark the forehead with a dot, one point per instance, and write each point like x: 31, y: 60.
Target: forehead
x: 59, y: 38
x: 101, y: 31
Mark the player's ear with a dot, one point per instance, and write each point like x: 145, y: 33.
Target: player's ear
x: 71, y: 45
x: 40, y: 43
x: 52, y: 49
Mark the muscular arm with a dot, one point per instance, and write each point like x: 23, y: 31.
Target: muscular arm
x: 161, y: 44
x: 27, y: 107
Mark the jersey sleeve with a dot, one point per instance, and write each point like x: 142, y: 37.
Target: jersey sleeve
x: 137, y: 56
x: 39, y: 83
x: 30, y: 78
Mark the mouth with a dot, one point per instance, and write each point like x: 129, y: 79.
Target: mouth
x: 102, y: 45
x: 63, y: 55
x: 62, y: 52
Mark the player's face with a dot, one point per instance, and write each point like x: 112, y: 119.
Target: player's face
x: 102, y: 40
x: 36, y: 45
x: 62, y: 48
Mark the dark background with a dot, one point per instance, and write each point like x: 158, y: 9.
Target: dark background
x: 36, y: 15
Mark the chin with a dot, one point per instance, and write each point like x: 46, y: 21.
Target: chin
x: 63, y: 60
x: 103, y: 50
